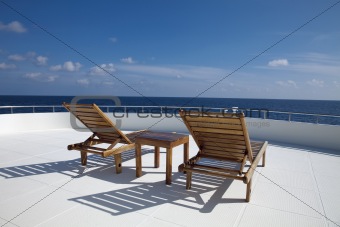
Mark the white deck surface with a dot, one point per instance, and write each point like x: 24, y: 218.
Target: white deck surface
x: 43, y: 184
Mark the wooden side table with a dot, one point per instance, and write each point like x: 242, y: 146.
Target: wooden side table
x: 161, y: 139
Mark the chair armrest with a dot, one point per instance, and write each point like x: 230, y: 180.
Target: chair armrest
x: 247, y: 177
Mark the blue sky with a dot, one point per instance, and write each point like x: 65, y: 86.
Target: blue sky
x: 171, y: 48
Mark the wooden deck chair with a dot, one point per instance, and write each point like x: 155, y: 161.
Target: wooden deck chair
x: 104, y: 131
x: 224, y: 147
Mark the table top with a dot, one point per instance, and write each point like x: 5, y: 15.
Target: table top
x: 162, y: 139
x: 166, y: 136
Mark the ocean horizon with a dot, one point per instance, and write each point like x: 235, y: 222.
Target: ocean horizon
x: 327, y: 107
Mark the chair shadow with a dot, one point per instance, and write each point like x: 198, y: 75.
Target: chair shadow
x: 147, y: 195
x: 72, y: 168
x: 133, y: 198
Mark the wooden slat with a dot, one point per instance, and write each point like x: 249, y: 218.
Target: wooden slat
x: 83, y: 114
x: 118, y: 150
x: 214, y: 130
x: 225, y: 145
x: 96, y: 123
x: 83, y: 110
x: 99, y: 127
x: 108, y: 138
x: 218, y: 140
x: 216, y: 125
x: 223, y: 150
x: 93, y: 148
x: 220, y: 136
x: 227, y: 170
x: 98, y: 141
x: 235, y: 121
x: 220, y: 174
x: 97, y: 119
x: 218, y: 157
x: 223, y: 153
x: 90, y: 151
x: 111, y: 134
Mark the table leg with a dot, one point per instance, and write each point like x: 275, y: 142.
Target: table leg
x: 168, y: 165
x: 138, y: 160
x: 156, y: 157
x: 186, y: 152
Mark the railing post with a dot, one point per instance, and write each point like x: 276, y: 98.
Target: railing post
x: 53, y: 108
x: 11, y: 110
x: 317, y: 119
x: 33, y: 109
x: 289, y: 116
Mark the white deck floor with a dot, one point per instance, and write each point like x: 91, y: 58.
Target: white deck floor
x: 43, y: 184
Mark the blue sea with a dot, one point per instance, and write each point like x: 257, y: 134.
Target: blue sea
x: 271, y: 106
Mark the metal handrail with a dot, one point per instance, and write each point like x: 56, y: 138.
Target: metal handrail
x: 163, y: 108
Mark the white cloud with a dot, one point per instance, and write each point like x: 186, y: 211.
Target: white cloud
x: 84, y: 82
x: 7, y: 66
x: 41, y: 77
x: 31, y: 54
x: 278, y: 62
x: 56, y: 67
x: 104, y: 69
x: 113, y: 39
x: 288, y: 83
x: 51, y: 78
x: 32, y: 75
x: 13, y: 26
x: 108, y: 83
x: 336, y: 83
x: 185, y: 72
x: 316, y: 83
x: 72, y: 67
x: 16, y: 57
x: 67, y: 66
x: 41, y: 60
x: 127, y: 60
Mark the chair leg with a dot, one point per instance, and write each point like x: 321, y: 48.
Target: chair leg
x: 264, y: 159
x: 189, y: 178
x: 83, y: 158
x: 118, y: 161
x: 248, y: 190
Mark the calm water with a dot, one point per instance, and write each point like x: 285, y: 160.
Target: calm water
x: 297, y: 106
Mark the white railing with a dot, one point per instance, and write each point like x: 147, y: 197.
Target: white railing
x: 252, y: 113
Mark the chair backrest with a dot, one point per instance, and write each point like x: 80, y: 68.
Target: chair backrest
x: 221, y: 135
x: 96, y: 121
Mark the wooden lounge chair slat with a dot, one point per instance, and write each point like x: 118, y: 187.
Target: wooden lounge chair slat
x: 219, y: 174
x: 94, y: 148
x: 108, y: 134
x: 211, y: 119
x: 84, y: 110
x: 108, y: 138
x: 84, y: 114
x: 218, y: 140
x: 222, y: 137
x: 96, y: 119
x: 223, y: 153
x: 216, y: 130
x: 216, y: 125
x: 219, y: 136
x: 104, y: 131
x: 92, y: 122
x: 217, y: 169
x: 225, y: 145
x: 221, y: 157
